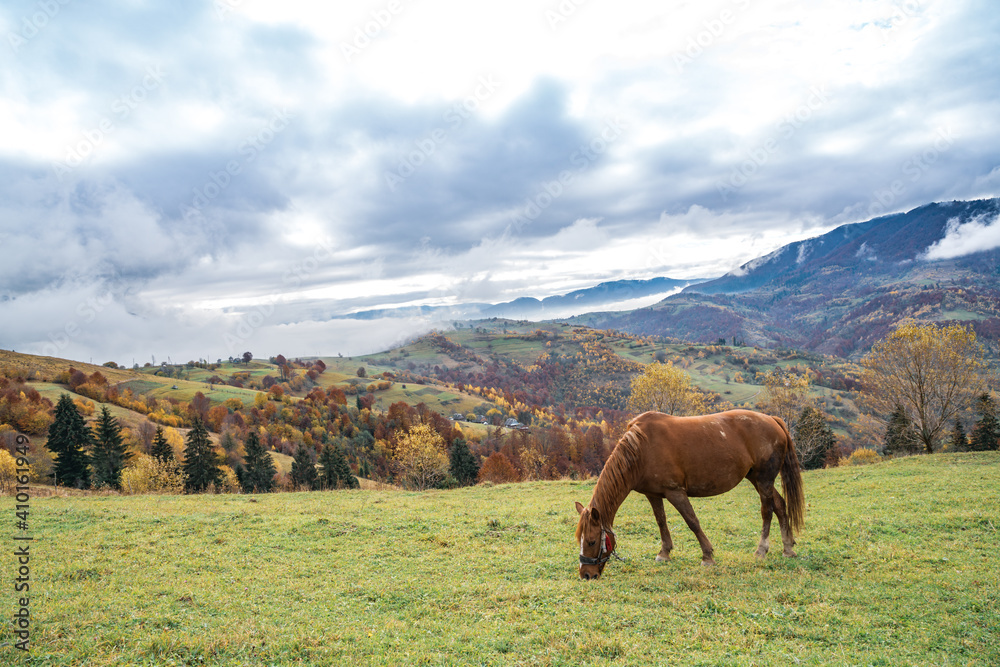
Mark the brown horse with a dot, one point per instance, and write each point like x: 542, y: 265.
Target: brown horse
x: 662, y: 456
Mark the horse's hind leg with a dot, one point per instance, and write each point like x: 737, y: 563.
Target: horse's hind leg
x: 772, y: 502
x: 787, y: 539
x: 661, y: 520
x: 682, y: 504
x: 766, y: 494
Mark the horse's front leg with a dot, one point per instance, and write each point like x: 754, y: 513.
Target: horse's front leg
x: 682, y: 504
x: 666, y: 545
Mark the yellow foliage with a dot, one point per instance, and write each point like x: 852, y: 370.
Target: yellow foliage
x: 8, y: 471
x: 420, y: 457
x: 146, y: 474
x: 665, y: 388
x: 861, y: 457
x: 934, y: 372
x: 230, y: 483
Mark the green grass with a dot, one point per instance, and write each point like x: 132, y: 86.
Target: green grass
x: 898, y: 566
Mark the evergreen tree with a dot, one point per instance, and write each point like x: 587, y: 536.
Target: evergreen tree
x: 303, y: 469
x: 336, y: 472
x: 110, y: 454
x: 463, y: 466
x: 959, y: 442
x: 68, y: 439
x: 986, y: 432
x: 900, y: 435
x: 201, y: 463
x: 161, y: 448
x: 814, y: 438
x: 258, y: 474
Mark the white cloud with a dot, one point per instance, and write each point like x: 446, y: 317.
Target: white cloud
x: 975, y: 235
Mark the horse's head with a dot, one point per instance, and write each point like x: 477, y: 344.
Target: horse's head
x: 597, y: 542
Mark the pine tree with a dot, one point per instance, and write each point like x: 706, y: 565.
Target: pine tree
x: 161, y: 448
x: 110, y: 454
x: 303, y: 469
x: 814, y: 438
x: 258, y: 472
x: 336, y: 471
x: 959, y: 442
x: 463, y: 465
x: 201, y: 463
x: 68, y: 439
x: 986, y: 433
x: 900, y: 435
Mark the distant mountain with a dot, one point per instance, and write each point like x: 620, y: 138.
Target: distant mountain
x: 840, y: 292
x: 613, y: 295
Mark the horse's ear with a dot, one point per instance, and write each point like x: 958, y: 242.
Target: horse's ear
x: 595, y: 515
x: 579, y: 507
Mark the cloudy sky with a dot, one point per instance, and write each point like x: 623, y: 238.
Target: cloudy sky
x: 196, y: 179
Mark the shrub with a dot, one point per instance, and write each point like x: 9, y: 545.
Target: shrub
x: 150, y: 475
x: 498, y: 469
x: 861, y: 457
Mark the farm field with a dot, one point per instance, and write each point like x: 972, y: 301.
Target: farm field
x: 898, y: 565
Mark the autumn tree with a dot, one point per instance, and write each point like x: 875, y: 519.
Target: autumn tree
x: 498, y: 469
x: 419, y: 459
x: 201, y: 463
x: 109, y: 454
x: 933, y: 372
x: 257, y: 473
x: 814, y: 439
x: 69, y: 438
x: 665, y: 388
x: 785, y: 394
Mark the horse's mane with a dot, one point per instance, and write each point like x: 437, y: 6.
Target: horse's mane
x: 618, y: 475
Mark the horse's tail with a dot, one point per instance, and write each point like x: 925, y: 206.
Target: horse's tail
x: 791, y: 481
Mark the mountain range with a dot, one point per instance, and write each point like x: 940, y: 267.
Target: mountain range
x: 835, y: 294
x: 840, y: 292
x: 614, y: 294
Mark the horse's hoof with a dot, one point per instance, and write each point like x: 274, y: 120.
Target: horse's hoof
x: 788, y: 553
x: 660, y: 558
x: 708, y: 562
x: 760, y: 554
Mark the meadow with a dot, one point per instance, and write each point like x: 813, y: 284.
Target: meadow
x: 897, y: 565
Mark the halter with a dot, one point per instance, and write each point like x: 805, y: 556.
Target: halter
x: 601, y: 557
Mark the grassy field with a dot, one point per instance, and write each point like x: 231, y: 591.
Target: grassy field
x: 898, y: 566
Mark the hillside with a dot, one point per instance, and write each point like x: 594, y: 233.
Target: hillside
x: 897, y: 565
x: 566, y: 387
x: 839, y: 293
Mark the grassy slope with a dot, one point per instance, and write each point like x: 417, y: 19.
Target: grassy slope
x: 898, y: 565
